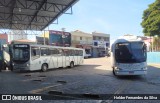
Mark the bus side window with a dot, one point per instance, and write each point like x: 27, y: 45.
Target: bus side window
x: 81, y: 53
x: 72, y: 53
x: 35, y: 52
x: 51, y: 51
x: 44, y: 51
x: 76, y: 53
x: 67, y: 52
x: 64, y: 52
x: 59, y: 52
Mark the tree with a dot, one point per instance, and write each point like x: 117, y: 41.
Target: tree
x: 151, y: 19
x: 156, y: 42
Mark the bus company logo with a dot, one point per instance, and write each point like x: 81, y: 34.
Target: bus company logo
x: 6, y: 97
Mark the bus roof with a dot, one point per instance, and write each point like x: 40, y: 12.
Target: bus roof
x: 52, y: 46
x: 128, y: 38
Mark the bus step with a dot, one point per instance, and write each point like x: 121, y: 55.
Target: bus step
x: 62, y: 81
x: 54, y: 92
x: 89, y: 95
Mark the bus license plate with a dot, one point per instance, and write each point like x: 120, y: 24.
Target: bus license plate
x: 131, y: 72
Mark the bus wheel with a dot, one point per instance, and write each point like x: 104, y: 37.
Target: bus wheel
x: 44, y: 67
x: 71, y: 64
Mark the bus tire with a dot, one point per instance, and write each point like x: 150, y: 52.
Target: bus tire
x: 71, y: 64
x: 44, y: 67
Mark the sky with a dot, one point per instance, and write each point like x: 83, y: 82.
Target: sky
x: 114, y: 17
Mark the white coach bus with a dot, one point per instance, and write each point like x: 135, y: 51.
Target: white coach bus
x: 42, y: 57
x: 128, y: 56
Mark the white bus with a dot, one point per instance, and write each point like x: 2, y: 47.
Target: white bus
x: 128, y: 56
x: 42, y: 57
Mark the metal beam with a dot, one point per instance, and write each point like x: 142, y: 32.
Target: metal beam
x: 12, y: 8
x: 20, y: 14
x: 23, y: 23
x: 60, y: 13
x: 47, y: 2
x: 21, y: 26
x: 29, y: 8
x: 35, y: 14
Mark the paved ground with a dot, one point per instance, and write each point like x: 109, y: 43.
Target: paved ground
x: 94, y: 77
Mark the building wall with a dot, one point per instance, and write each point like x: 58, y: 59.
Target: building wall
x: 40, y: 40
x: 43, y: 37
x: 45, y: 34
x: 3, y: 39
x: 56, y: 38
x: 103, y: 40
x: 101, y: 44
x: 81, y: 38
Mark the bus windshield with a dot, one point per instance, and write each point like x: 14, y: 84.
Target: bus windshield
x: 130, y: 52
x: 21, y: 53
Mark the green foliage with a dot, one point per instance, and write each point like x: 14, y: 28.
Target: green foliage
x: 151, y: 19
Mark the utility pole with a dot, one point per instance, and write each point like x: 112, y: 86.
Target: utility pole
x: 44, y: 38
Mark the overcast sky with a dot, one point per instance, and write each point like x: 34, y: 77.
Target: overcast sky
x: 114, y: 17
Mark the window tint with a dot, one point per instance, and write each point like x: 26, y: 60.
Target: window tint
x: 60, y: 52
x: 54, y: 51
x: 44, y: 51
x: 35, y: 52
x: 66, y: 52
x: 75, y: 52
x: 80, y: 52
x: 72, y: 52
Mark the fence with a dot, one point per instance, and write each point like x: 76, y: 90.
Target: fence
x: 153, y: 57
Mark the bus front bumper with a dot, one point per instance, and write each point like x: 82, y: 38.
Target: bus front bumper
x: 136, y: 72
x: 18, y: 68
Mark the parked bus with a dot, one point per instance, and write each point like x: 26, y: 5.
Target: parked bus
x: 4, y: 57
x: 42, y: 57
x: 128, y: 56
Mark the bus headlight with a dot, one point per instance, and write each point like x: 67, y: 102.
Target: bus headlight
x: 144, y: 68
x: 116, y: 68
x: 27, y: 65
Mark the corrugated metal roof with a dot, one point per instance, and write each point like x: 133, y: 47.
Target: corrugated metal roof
x: 31, y: 14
